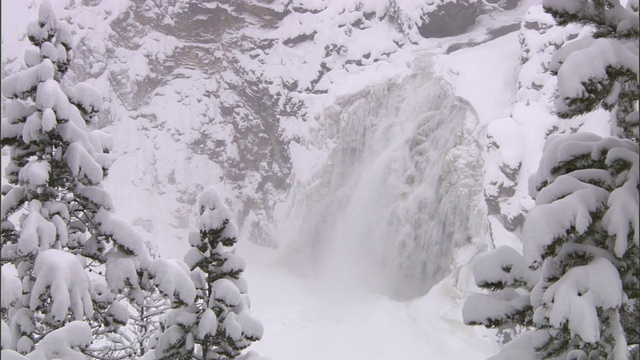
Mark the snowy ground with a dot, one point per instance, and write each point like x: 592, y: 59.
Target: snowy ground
x: 306, y: 318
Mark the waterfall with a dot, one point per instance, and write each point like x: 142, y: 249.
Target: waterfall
x: 398, y: 190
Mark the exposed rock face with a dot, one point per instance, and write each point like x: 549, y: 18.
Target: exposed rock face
x: 506, y: 195
x: 441, y: 23
x: 219, y: 92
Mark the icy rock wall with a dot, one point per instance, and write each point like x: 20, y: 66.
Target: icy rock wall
x: 399, y: 190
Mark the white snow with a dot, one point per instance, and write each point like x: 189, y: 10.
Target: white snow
x: 303, y: 312
x: 208, y: 323
x: 169, y: 338
x: 119, y: 312
x: 297, y: 309
x: 484, y: 308
x: 231, y: 327
x: 12, y: 199
x: 63, y: 343
x: 173, y: 279
x: 34, y: 174
x: 36, y: 231
x: 120, y: 270
x: 548, y: 222
x: 82, y: 164
x: 226, y: 291
x: 589, y: 60
x: 123, y: 234
x: 577, y: 294
x: 503, y: 265
x: 60, y: 277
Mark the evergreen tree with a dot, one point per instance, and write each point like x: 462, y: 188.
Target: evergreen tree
x: 217, y: 324
x: 76, y: 262
x: 576, y: 284
x: 601, y: 70
x: 581, y: 239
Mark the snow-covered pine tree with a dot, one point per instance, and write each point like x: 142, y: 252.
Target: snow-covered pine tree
x: 581, y: 242
x: 583, y: 235
x: 601, y: 70
x: 75, y: 261
x: 581, y: 238
x: 218, y: 324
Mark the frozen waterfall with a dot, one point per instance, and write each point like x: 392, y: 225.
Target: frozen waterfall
x: 398, y: 191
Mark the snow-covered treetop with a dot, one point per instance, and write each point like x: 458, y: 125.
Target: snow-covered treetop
x: 48, y: 27
x: 619, y: 21
x: 214, y: 214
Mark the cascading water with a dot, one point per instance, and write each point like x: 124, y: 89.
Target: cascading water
x: 398, y: 190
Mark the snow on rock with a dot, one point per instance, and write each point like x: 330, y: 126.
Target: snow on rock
x: 60, y: 277
x: 173, y: 279
x: 508, y: 134
x: 577, y: 294
x: 64, y: 343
